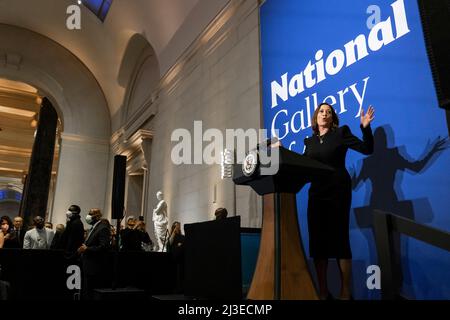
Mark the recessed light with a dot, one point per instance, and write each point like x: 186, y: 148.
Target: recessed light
x: 17, y: 112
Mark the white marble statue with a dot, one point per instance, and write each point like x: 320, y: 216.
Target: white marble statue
x: 160, y: 222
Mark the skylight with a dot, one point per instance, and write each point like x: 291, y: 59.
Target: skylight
x: 99, y: 7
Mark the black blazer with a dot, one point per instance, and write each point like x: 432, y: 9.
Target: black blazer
x: 16, y: 239
x: 72, y: 237
x: 95, y: 258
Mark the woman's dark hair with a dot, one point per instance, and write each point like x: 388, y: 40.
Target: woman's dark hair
x: 221, y: 213
x: 75, y: 209
x: 8, y: 221
x: 335, y: 122
x: 174, y: 224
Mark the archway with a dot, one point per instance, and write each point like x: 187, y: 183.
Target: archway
x: 139, y: 73
x: 81, y: 106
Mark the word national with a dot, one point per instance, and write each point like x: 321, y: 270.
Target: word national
x: 380, y: 35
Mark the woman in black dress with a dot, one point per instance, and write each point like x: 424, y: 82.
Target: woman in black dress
x: 330, y: 198
x: 8, y: 235
x: 176, y: 247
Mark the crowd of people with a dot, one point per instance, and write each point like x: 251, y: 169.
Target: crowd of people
x: 86, y: 247
x: 89, y: 247
x: 71, y: 236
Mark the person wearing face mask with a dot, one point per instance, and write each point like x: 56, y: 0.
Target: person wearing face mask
x: 330, y: 197
x: 73, y: 236
x: 39, y: 237
x: 93, y: 253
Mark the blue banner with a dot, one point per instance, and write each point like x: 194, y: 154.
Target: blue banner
x: 353, y: 54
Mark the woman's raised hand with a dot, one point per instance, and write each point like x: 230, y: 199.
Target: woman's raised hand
x: 367, y: 118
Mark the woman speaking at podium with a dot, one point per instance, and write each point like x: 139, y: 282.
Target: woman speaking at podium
x: 330, y: 197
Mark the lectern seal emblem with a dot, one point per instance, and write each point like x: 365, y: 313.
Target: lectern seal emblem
x: 250, y: 163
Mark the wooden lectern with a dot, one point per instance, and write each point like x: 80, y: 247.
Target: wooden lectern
x: 281, y: 271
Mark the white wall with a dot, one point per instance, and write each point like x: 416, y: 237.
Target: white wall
x: 217, y: 82
x: 81, y: 177
x: 134, y: 195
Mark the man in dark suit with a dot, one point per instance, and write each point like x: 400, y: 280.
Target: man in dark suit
x: 130, y: 237
x: 19, y: 232
x: 94, y: 256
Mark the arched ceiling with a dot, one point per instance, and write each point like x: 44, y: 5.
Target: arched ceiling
x: 168, y: 25
x: 19, y: 105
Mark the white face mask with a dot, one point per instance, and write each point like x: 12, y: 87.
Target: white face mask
x: 89, y: 219
x: 69, y: 215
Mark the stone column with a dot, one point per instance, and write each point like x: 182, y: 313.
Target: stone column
x: 83, y: 170
x: 144, y: 194
x: 146, y: 147
x: 40, y: 169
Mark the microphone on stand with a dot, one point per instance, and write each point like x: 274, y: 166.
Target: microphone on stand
x: 170, y: 232
x: 226, y: 164
x: 165, y: 239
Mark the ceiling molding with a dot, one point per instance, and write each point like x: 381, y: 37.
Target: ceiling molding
x: 128, y: 147
x: 7, y: 150
x: 83, y: 139
x: 148, y: 110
